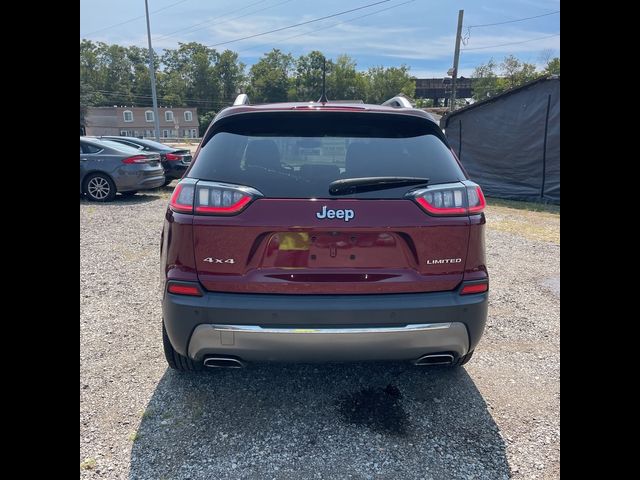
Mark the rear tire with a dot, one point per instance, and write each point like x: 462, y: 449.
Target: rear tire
x: 174, y: 359
x: 463, y: 359
x: 99, y: 187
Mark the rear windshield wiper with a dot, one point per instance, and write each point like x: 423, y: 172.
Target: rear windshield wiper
x: 348, y: 186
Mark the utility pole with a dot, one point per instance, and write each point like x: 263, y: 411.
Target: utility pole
x: 152, y: 74
x: 456, y: 57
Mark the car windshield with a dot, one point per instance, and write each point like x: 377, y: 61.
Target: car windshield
x: 300, y: 155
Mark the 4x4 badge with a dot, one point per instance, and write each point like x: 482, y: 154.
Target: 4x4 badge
x: 345, y: 215
x: 219, y: 260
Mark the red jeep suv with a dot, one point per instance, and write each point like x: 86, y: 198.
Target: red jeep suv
x: 321, y: 231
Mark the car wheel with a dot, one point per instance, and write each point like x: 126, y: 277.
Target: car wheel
x: 99, y: 187
x: 463, y: 359
x: 174, y: 359
x: 167, y: 182
x: 129, y: 194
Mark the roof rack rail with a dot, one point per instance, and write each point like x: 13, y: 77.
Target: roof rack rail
x: 242, y: 99
x: 399, y: 101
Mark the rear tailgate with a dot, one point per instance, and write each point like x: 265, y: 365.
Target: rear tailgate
x: 281, y: 246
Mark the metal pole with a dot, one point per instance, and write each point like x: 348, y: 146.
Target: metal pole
x: 152, y: 74
x: 544, y: 148
x: 456, y: 57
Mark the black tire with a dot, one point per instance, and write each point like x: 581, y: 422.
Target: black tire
x: 99, y: 187
x: 174, y: 359
x: 463, y: 359
x: 129, y: 194
x: 167, y: 181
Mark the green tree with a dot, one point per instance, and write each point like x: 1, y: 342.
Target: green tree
x: 486, y: 82
x: 141, y: 89
x: 230, y: 73
x: 88, y: 98
x: 552, y: 67
x: 117, y: 71
x: 269, y: 77
x: 189, y: 75
x: 308, y: 76
x: 344, y: 82
x: 204, y: 118
x: 90, y: 63
x: 90, y: 76
x: 384, y: 83
x: 516, y: 72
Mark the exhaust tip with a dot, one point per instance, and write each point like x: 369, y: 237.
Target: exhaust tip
x: 435, y: 359
x: 223, y: 362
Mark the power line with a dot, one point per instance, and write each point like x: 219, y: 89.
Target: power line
x: 114, y: 93
x: 131, y: 19
x: 190, y: 30
x: 299, y: 24
x: 512, y: 21
x: 328, y: 26
x: 511, y: 43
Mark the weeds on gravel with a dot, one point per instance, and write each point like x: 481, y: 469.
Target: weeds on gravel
x: 531, y: 206
x: 88, y: 464
x: 533, y: 221
x: 148, y: 413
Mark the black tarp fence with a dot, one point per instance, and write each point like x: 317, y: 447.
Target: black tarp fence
x: 510, y: 144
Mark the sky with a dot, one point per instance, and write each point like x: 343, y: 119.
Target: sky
x: 417, y: 33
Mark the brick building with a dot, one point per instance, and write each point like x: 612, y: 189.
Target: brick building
x: 139, y: 121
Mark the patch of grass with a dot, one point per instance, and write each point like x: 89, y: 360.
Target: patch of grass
x: 166, y: 415
x: 532, y: 224
x: 148, y: 413
x: 197, y: 404
x: 134, y: 436
x: 88, y: 464
x: 531, y: 206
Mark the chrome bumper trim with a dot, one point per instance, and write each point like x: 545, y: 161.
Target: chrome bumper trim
x: 264, y: 344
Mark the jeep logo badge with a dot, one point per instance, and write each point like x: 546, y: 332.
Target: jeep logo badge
x: 345, y: 215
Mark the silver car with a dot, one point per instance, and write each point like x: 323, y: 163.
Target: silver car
x: 108, y: 167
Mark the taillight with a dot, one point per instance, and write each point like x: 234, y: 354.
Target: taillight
x: 184, y: 289
x: 476, y: 199
x: 136, y: 159
x: 214, y: 198
x: 474, y: 288
x: 182, y: 198
x: 450, y: 199
x: 172, y: 157
x: 211, y: 198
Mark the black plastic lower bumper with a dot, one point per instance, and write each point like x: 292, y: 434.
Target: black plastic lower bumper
x: 182, y: 314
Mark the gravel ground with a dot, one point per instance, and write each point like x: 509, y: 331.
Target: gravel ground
x: 498, y: 417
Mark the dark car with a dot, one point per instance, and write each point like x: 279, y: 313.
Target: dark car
x: 175, y: 161
x: 311, y: 232
x: 107, y: 168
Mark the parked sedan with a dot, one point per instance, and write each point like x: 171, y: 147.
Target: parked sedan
x: 175, y: 161
x: 108, y: 167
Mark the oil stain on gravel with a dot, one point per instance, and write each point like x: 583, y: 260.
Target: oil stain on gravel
x: 376, y: 408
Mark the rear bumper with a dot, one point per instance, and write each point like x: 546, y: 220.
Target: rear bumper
x: 260, y: 327
x: 140, y: 180
x: 259, y: 344
x: 174, y: 169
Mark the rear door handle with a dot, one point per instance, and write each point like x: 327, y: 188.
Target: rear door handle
x: 83, y: 159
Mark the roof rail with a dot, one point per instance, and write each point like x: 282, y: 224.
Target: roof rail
x: 399, y: 101
x: 242, y: 99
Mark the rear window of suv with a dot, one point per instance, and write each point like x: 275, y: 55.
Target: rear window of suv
x: 298, y: 154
